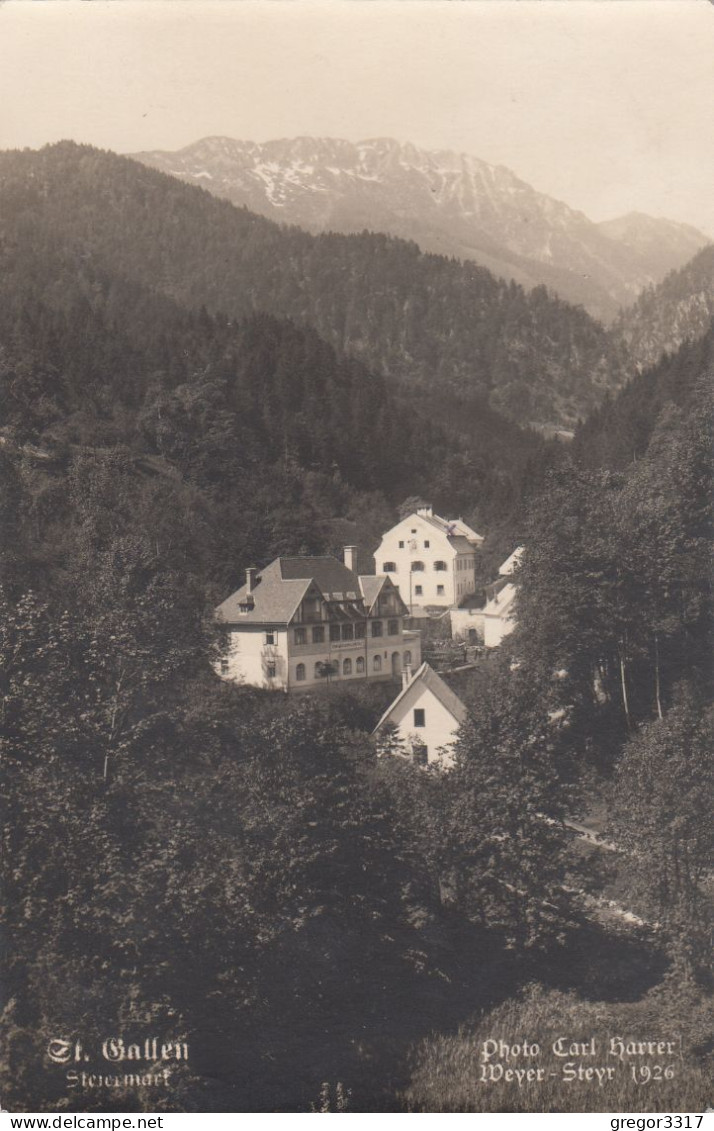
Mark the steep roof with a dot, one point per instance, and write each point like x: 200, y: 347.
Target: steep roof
x: 500, y: 605
x: 511, y: 563
x: 372, y: 586
x: 438, y: 687
x: 274, y: 598
x: 336, y: 581
x: 457, y: 526
x: 280, y: 587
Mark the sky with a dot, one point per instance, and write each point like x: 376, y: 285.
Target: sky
x: 605, y: 104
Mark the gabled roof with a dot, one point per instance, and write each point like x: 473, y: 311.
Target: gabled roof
x: 500, y: 605
x: 372, y: 586
x: 275, y: 599
x: 280, y: 587
x: 427, y: 677
x: 511, y: 563
x: 460, y: 534
x: 452, y: 527
x: 335, y: 580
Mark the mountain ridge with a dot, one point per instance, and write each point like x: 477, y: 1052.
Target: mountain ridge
x: 449, y: 203
x: 426, y: 322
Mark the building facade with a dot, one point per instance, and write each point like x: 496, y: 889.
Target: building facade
x: 499, y: 617
x: 301, y: 623
x: 423, y: 721
x: 431, y: 560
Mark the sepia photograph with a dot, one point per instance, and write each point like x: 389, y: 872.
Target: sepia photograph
x: 356, y: 530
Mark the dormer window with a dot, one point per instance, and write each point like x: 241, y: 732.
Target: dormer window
x: 246, y: 605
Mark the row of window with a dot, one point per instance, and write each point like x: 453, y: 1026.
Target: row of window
x: 413, y: 543
x: 349, y: 631
x: 419, y: 591
x: 323, y: 669
x: 416, y: 567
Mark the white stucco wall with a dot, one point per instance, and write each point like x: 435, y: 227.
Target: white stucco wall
x: 463, y: 620
x: 414, y: 532
x: 499, y: 616
x: 248, y: 656
x: 440, y: 727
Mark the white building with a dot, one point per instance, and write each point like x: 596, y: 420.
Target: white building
x: 499, y: 612
x: 302, y: 622
x: 424, y: 719
x: 431, y: 560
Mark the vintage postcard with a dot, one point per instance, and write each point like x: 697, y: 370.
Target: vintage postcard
x: 355, y: 532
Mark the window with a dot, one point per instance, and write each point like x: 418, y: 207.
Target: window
x: 334, y: 632
x: 420, y: 754
x: 301, y: 636
x: 426, y: 545
x: 300, y: 673
x: 270, y: 636
x: 347, y: 667
x: 389, y: 567
x: 407, y: 657
x: 359, y: 665
x: 270, y: 671
x: 417, y: 567
x: 418, y: 590
x: 318, y: 635
x: 319, y: 670
x: 376, y: 628
x: 401, y: 545
x: 412, y: 531
x: 225, y: 667
x: 360, y: 630
x: 393, y: 627
x: 419, y: 717
x: 348, y: 632
x: 440, y: 590
x: 440, y: 567
x: 377, y: 663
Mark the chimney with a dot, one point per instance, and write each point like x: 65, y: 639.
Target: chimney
x: 250, y: 578
x: 350, y: 554
x: 406, y: 675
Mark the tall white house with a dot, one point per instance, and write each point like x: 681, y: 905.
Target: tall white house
x: 423, y: 721
x: 303, y: 622
x: 431, y: 560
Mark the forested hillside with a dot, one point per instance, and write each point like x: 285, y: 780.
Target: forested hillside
x: 327, y: 929
x: 228, y: 441
x: 449, y: 203
x: 678, y: 310
x: 619, y: 431
x: 420, y: 319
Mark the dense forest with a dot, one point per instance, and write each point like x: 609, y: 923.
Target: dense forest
x: 677, y: 310
x: 327, y: 929
x: 422, y: 319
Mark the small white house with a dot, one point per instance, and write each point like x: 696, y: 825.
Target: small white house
x: 499, y: 612
x: 423, y: 719
x: 431, y: 560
